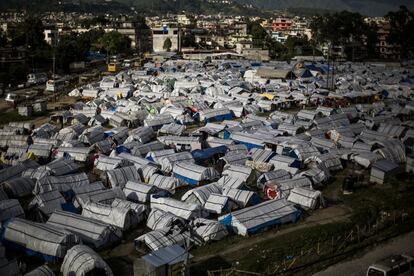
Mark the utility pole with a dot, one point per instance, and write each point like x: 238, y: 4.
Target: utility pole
x: 186, y: 265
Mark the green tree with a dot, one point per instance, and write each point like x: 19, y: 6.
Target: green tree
x: 29, y: 33
x: 346, y: 29
x: 167, y: 44
x: 258, y: 33
x: 401, y: 32
x: 115, y: 43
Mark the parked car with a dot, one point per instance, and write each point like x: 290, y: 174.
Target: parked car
x: 13, y: 98
x: 37, y: 78
x: 397, y: 265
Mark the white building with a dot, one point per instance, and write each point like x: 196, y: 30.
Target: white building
x: 159, y: 36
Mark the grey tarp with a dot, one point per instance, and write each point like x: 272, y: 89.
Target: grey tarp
x: 81, y: 260
x: 158, y: 219
x: 117, y: 216
x: 43, y: 270
x: 61, y: 183
x: 48, y: 202
x: 177, y: 207
x: 119, y: 177
x: 19, y: 186
x: 139, y: 192
x: 257, y: 218
x: 10, y: 208
x: 199, y: 195
x: 93, y: 232
x: 62, y: 166
x: 39, y: 237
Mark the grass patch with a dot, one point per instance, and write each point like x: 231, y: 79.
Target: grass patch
x: 12, y: 116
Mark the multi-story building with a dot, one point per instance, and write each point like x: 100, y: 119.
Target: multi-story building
x: 51, y: 35
x: 161, y: 34
x: 385, y: 49
x: 282, y: 24
x: 140, y: 35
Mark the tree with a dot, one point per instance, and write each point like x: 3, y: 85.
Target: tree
x: 115, y: 43
x: 257, y: 32
x: 401, y: 30
x: 29, y: 33
x: 345, y: 29
x: 167, y: 44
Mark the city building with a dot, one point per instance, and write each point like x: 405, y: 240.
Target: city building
x: 161, y: 34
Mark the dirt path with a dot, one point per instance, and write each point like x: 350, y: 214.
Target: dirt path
x: 400, y: 245
x: 332, y: 214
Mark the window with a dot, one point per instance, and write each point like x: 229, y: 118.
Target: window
x: 393, y: 272
x: 404, y: 267
x: 375, y: 272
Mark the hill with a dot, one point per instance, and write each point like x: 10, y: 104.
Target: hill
x: 153, y: 7
x: 366, y: 7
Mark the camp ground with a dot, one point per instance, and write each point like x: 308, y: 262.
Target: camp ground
x: 191, y: 157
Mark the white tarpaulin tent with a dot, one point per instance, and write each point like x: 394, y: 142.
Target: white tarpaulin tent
x: 306, y: 198
x: 117, y: 216
x: 257, y: 218
x: 81, y: 260
x: 181, y: 209
x: 49, y: 241
x: 93, y: 232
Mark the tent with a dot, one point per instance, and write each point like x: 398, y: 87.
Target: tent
x: 217, y: 204
x: 167, y: 162
x: 119, y: 177
x: 62, y: 166
x: 139, y: 211
x: 46, y: 203
x: 61, y: 183
x: 10, y: 208
x: 164, y: 182
x: 9, y: 267
x: 139, y: 192
x: 237, y: 171
x: 43, y: 270
x: 82, y: 193
x: 210, y: 230
x: 80, y: 154
x: 243, y: 198
x: 106, y: 196
x: 16, y: 170
x: 18, y: 187
x: 158, y: 219
x: 117, y: 216
x: 230, y: 182
x: 249, y: 140
x: 81, y: 260
x: 181, y: 142
x: 181, y: 209
x: 106, y: 163
x: 216, y: 114
x: 161, y: 238
x: 306, y: 198
x: 260, y: 217
x: 281, y: 188
x: 92, y: 232
x: 193, y: 174
x: 199, y: 195
x: 272, y: 176
x: 38, y: 239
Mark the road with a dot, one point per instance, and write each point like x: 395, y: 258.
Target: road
x: 400, y: 245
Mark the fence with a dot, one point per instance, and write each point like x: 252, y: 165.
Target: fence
x: 336, y: 248
x: 331, y: 249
